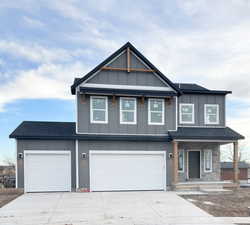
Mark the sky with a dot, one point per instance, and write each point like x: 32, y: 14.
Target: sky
x: 44, y: 44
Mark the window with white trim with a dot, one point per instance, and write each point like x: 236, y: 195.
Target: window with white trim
x: 187, y: 113
x: 98, y: 109
x: 181, y: 161
x: 208, y: 159
x: 211, y: 114
x: 128, y: 110
x: 156, y: 111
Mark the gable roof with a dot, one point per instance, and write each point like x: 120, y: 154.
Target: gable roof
x: 120, y: 50
x: 188, y: 88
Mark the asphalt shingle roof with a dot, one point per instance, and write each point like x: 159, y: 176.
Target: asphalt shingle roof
x: 205, y: 133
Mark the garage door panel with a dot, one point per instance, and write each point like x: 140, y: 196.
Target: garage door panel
x: 47, y: 171
x: 142, y: 171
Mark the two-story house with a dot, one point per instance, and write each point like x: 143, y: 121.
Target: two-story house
x: 134, y: 130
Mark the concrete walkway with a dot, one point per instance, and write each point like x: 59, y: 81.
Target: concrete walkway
x: 113, y: 208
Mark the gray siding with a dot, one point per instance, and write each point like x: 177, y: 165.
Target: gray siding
x: 52, y: 145
x: 85, y: 146
x: 199, y: 101
x: 205, y: 176
x: 125, y: 78
x: 114, y: 126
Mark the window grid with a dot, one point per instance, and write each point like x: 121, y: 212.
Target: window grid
x: 187, y: 113
x: 211, y: 114
x: 150, y: 101
x: 92, y: 109
x: 128, y: 110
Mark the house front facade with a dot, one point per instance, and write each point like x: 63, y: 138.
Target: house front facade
x: 134, y: 130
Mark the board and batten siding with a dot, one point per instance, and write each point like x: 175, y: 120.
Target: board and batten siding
x: 46, y: 145
x: 199, y: 102
x: 125, y: 78
x: 113, y: 126
x: 86, y: 146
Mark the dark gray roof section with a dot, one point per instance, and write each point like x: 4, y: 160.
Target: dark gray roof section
x: 196, y: 133
x: 66, y: 131
x: 188, y: 88
x: 112, y: 91
x: 136, y: 52
x: 229, y: 165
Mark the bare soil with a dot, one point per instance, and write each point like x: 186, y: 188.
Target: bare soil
x: 7, y: 196
x: 226, y: 204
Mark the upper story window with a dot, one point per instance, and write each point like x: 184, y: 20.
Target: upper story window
x: 128, y: 110
x: 156, y: 111
x: 211, y: 114
x: 208, y: 160
x: 187, y: 113
x: 98, y: 109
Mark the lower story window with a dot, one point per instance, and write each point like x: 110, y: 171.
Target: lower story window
x: 208, y: 160
x: 181, y: 161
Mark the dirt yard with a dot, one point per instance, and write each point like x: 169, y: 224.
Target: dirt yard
x: 226, y: 204
x: 7, y: 195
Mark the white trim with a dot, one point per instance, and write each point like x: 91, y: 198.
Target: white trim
x: 26, y: 152
x: 203, y: 140
x: 106, y: 110
x: 134, y: 111
x: 193, y: 150
x: 183, y: 166
x: 202, y: 126
x: 130, y: 87
x: 180, y: 113
x: 91, y: 152
x: 217, y: 114
x: 16, y: 165
x: 160, y: 135
x: 204, y: 161
x: 77, y: 165
x: 76, y: 111
x: 176, y: 113
x: 162, y: 112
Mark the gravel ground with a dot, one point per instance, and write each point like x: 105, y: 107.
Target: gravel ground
x: 227, y: 204
x: 7, y: 196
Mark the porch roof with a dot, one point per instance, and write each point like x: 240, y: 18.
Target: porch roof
x: 203, y: 133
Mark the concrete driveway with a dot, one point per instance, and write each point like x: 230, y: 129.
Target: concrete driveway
x: 130, y: 208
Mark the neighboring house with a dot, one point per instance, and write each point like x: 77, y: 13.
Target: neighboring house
x: 227, y: 172
x: 134, y: 130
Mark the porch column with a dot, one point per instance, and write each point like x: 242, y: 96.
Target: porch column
x: 235, y: 162
x: 175, y: 162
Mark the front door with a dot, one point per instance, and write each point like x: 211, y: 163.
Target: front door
x: 194, y: 164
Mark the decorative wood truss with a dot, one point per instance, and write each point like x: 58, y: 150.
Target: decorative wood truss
x: 128, y: 68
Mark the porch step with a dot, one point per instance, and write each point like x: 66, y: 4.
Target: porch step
x: 199, y: 186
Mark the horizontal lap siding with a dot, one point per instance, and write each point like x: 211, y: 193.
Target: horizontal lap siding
x: 47, y: 145
x: 86, y: 146
x: 228, y: 174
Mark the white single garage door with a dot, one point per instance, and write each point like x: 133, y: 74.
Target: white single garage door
x: 127, y: 170
x: 47, y: 171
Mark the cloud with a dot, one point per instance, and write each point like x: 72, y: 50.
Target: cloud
x: 31, y: 22
x: 47, y: 81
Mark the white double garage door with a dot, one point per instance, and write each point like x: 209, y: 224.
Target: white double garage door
x: 108, y: 170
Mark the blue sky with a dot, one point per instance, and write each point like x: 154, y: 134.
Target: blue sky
x: 45, y: 44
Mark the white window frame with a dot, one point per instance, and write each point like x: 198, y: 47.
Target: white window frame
x: 204, y: 161
x: 205, y: 114
x: 134, y: 111
x: 163, y: 111
x: 180, y: 113
x: 106, y: 109
x: 183, y: 163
